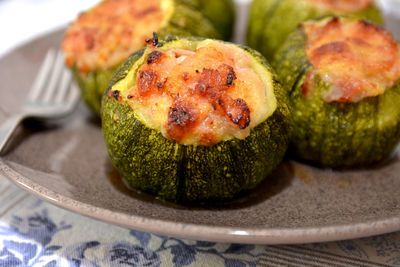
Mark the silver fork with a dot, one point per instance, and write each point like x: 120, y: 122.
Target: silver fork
x: 52, y: 95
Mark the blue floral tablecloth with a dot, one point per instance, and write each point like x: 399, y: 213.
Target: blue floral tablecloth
x: 36, y: 233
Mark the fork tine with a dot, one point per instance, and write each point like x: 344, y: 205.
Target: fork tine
x: 73, y: 96
x: 42, y: 76
x: 73, y: 93
x: 65, y: 86
x: 50, y: 89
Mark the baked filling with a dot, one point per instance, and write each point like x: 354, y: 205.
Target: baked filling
x: 201, y: 96
x: 356, y: 59
x: 107, y: 34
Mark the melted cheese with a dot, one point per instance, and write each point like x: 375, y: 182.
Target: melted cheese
x: 204, y: 96
x: 356, y: 58
x: 105, y: 35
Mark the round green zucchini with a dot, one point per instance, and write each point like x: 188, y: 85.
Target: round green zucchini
x: 271, y: 21
x: 185, y: 20
x: 220, y: 12
x: 335, y: 134
x: 152, y: 163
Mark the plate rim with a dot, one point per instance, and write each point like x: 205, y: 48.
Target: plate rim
x: 261, y: 235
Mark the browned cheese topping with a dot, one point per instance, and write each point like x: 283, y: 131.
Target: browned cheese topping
x: 197, y: 97
x: 341, y: 5
x: 358, y: 59
x: 104, y: 36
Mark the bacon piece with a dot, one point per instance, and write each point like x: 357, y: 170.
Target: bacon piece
x: 147, y: 82
x: 209, y: 83
x: 212, y: 82
x: 231, y: 76
x: 182, y: 118
x: 237, y: 111
x: 154, y: 57
x: 213, y: 86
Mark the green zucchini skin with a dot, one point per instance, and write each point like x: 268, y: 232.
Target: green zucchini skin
x: 220, y: 12
x: 92, y: 86
x: 271, y: 21
x: 187, y: 173
x: 186, y: 20
x: 337, y: 135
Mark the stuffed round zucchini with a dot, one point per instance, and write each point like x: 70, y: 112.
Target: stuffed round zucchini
x: 272, y: 20
x: 103, y: 37
x: 195, y: 120
x: 342, y: 76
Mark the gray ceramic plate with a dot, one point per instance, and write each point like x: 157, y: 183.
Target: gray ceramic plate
x: 66, y: 163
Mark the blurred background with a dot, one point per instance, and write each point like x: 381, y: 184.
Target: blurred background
x: 22, y: 20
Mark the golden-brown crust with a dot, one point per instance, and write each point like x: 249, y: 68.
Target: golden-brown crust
x: 147, y: 82
x: 105, y: 35
x: 182, y: 119
x: 154, y: 57
x: 358, y: 58
x: 200, y: 81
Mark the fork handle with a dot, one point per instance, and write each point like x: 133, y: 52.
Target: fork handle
x: 7, y: 128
